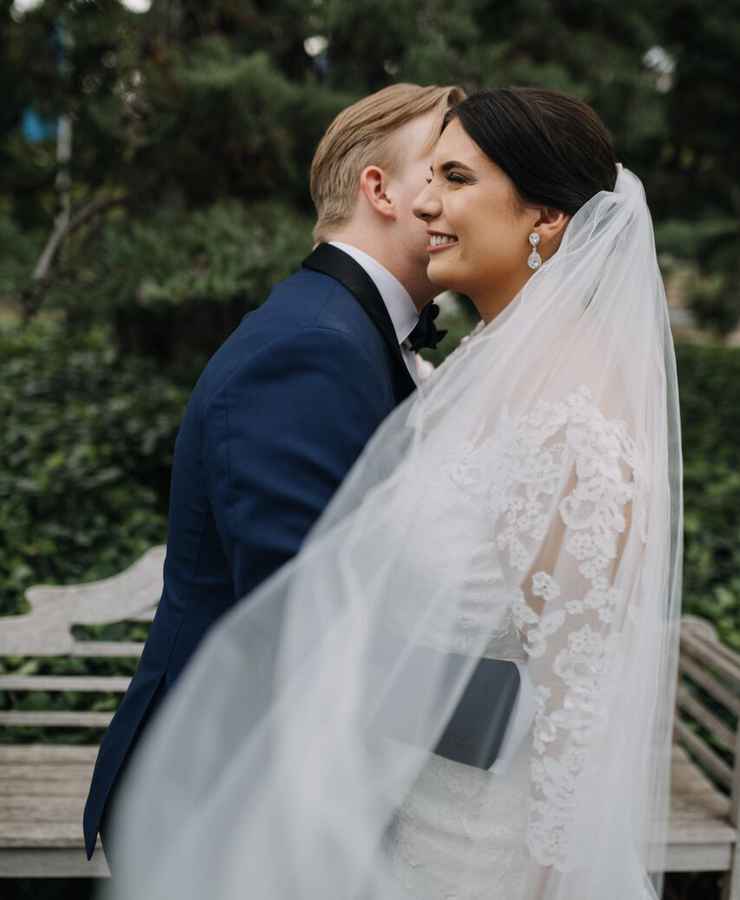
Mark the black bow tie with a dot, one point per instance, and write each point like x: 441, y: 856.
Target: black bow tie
x: 426, y: 333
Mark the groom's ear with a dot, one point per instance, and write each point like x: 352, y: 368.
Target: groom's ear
x: 373, y: 186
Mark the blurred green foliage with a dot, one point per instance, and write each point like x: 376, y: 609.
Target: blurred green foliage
x: 176, y: 300
x: 193, y: 127
x: 86, y: 444
x: 710, y: 415
x: 713, y: 299
x: 89, y: 435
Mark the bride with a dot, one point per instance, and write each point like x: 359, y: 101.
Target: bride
x: 524, y: 505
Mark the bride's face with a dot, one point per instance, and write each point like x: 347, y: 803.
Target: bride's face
x: 478, y: 228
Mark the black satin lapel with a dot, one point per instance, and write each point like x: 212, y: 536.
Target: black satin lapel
x: 334, y: 262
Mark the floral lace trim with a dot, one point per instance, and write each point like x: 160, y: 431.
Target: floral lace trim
x: 534, y: 456
x: 605, y: 460
x: 582, y: 668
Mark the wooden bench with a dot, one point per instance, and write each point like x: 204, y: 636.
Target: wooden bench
x: 43, y: 786
x: 704, y: 810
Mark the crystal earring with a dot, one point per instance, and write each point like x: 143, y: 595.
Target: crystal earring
x: 535, y: 260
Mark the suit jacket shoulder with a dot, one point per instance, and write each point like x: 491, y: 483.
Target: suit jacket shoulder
x: 278, y: 418
x: 299, y: 311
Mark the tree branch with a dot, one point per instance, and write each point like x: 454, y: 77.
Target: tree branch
x: 32, y: 297
x: 63, y: 227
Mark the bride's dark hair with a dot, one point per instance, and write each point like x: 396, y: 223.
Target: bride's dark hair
x: 554, y: 148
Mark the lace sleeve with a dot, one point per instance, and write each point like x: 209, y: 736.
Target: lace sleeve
x: 563, y: 528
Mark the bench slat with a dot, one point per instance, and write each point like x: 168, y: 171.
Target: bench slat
x: 719, y: 769
x: 106, y: 648
x: 702, y: 857
x: 698, y: 832
x: 107, y: 684
x: 47, y: 629
x: 714, y: 645
x: 33, y: 772
x: 57, y: 719
x: 710, y: 684
x: 34, y: 808
x: 53, y: 787
x: 708, y: 719
x: 41, y: 834
x: 27, y: 754
x: 87, y: 649
x: 52, y: 863
x: 706, y: 653
x: 24, y: 824
x: 147, y: 616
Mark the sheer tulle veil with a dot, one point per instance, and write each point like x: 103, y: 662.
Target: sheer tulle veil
x: 524, y: 503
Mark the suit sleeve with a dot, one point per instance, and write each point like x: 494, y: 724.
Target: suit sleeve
x: 279, y: 439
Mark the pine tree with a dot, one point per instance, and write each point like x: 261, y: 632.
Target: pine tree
x: 193, y: 127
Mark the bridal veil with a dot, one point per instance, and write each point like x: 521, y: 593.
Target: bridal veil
x: 525, y: 503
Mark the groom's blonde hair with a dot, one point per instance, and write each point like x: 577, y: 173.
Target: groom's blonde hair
x: 363, y: 135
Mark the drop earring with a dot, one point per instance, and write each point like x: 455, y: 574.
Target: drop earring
x: 535, y: 260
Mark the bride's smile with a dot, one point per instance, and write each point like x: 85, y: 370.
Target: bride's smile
x: 439, y: 241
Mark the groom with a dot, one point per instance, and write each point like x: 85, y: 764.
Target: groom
x: 287, y: 404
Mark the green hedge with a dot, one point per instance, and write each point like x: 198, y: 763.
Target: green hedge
x: 175, y: 283
x: 86, y: 444
x: 88, y: 435
x: 709, y: 382
x: 87, y: 441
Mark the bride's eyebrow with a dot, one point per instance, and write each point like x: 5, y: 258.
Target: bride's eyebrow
x: 451, y: 164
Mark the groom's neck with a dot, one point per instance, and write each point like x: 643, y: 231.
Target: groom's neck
x: 370, y: 243
x: 384, y: 250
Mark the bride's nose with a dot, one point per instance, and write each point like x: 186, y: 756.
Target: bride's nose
x: 426, y: 206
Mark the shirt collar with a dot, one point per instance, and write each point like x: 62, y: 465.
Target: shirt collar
x: 397, y: 299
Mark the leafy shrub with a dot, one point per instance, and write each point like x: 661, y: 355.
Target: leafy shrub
x: 87, y: 443
x: 174, y: 284
x: 691, y: 239
x: 708, y: 249
x: 86, y: 446
x: 715, y: 301
x: 709, y: 378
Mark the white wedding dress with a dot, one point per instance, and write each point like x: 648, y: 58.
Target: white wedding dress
x: 467, y: 834
x: 524, y: 504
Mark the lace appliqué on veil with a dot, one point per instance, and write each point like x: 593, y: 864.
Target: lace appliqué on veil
x: 569, y: 450
x: 553, y: 438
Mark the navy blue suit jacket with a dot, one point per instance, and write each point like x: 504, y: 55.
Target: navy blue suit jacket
x: 276, y: 420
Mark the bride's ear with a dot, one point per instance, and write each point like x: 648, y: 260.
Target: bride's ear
x: 551, y: 222
x: 550, y: 225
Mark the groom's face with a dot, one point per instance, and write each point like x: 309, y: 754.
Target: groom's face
x: 414, y: 146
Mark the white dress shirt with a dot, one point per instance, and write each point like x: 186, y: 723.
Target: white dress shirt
x: 396, y: 298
